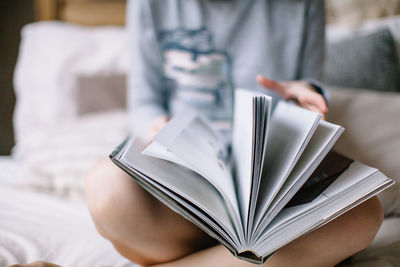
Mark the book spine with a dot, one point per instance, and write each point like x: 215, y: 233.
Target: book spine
x: 115, y: 152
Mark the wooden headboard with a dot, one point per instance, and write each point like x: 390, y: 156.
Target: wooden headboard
x: 112, y: 12
x: 86, y: 12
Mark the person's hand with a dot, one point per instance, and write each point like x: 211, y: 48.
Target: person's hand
x: 156, y: 126
x: 300, y: 92
x: 36, y: 264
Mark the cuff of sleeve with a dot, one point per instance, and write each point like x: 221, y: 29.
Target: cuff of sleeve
x: 320, y: 89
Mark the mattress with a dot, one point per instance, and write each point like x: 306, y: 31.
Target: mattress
x: 35, y: 226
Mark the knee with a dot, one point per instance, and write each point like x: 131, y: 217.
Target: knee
x: 375, y: 217
x: 132, y: 219
x: 99, y: 192
x: 369, y: 219
x: 106, y: 187
x: 114, y: 199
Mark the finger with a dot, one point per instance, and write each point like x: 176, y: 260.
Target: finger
x: 161, y: 124
x: 271, y: 84
x: 158, y: 124
x: 315, y: 109
x: 313, y: 99
x: 319, y: 102
x: 311, y: 108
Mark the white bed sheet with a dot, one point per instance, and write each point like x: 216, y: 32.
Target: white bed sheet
x: 8, y: 170
x: 35, y: 227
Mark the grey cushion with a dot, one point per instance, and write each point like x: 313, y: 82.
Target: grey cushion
x: 368, y: 61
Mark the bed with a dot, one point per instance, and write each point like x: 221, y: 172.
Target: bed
x: 62, y: 129
x: 42, y: 212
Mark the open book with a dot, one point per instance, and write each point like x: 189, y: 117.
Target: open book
x: 266, y: 191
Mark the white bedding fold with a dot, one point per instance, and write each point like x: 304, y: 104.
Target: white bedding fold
x: 39, y: 227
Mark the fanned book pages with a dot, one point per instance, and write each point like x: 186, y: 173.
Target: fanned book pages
x: 278, y: 182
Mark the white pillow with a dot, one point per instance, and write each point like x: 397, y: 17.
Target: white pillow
x: 372, y: 134
x: 59, y: 164
x: 52, y: 58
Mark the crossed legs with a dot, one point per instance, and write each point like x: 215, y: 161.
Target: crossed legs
x: 147, y: 232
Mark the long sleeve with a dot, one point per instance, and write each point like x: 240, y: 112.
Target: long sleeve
x: 312, y: 56
x: 146, y: 93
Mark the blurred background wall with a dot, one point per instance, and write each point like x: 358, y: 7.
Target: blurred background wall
x: 13, y: 15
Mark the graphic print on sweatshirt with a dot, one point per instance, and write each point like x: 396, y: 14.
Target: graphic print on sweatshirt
x: 197, y: 75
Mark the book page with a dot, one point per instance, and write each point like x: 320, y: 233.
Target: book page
x: 187, y: 184
x: 321, y: 142
x: 156, y: 150
x: 189, y: 140
x: 247, y: 137
x: 263, y: 118
x: 348, y: 181
x: 290, y: 131
x: 355, y: 185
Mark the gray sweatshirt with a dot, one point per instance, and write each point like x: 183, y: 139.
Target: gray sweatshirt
x: 193, y: 53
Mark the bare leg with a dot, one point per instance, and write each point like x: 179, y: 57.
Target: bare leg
x: 326, y: 246
x: 140, y: 227
x: 147, y: 232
